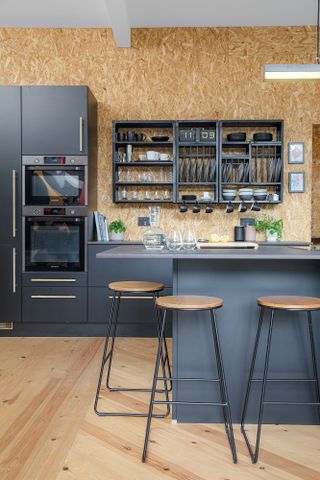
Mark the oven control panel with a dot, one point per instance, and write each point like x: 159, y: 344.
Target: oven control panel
x: 55, y: 211
x: 55, y: 160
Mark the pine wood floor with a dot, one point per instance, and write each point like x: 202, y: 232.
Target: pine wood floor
x: 48, y: 430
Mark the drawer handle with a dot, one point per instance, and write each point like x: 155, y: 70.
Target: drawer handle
x: 55, y: 297
x: 53, y: 280
x: 128, y: 297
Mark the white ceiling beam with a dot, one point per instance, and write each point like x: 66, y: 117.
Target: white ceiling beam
x: 119, y: 22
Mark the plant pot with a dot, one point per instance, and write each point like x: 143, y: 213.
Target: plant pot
x: 272, y: 236
x: 116, y: 236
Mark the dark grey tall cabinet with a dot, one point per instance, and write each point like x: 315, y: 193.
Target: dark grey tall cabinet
x: 10, y: 201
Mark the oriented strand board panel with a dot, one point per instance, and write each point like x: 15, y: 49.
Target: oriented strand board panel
x: 181, y: 73
x: 315, y: 205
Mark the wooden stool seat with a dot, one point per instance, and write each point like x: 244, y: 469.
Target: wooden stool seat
x: 189, y: 302
x: 290, y: 302
x: 136, y: 287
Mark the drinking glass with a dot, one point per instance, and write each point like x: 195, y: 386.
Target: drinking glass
x: 174, y: 240
x: 189, y: 239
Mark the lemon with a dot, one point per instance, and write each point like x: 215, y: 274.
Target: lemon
x: 224, y: 239
x: 214, y: 238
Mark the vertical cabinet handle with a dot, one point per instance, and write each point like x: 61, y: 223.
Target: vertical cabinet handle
x: 14, y: 287
x: 81, y: 133
x: 14, y: 203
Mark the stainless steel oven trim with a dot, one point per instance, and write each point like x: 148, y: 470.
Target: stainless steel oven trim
x: 85, y: 249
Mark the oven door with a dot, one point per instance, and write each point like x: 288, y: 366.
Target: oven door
x: 54, y: 244
x: 52, y: 185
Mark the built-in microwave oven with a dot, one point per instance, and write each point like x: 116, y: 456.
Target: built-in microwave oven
x: 55, y: 180
x: 54, y: 241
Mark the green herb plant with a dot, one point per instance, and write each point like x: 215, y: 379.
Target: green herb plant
x: 117, y: 226
x: 270, y: 224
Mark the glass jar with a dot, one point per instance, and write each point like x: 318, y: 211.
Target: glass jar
x: 154, y: 238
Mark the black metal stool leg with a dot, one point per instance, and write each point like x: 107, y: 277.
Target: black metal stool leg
x: 154, y: 385
x: 314, y: 361
x: 223, y: 388
x: 113, y: 335
x: 157, y: 315
x: 105, y: 356
x: 253, y: 363
x: 255, y: 456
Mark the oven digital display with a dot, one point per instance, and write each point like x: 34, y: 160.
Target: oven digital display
x: 54, y: 211
x: 54, y: 160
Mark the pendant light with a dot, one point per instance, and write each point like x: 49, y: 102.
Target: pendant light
x: 308, y: 71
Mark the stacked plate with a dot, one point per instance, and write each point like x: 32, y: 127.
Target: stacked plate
x: 260, y: 194
x: 245, y: 194
x: 229, y: 194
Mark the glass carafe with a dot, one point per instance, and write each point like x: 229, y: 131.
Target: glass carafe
x: 154, y: 238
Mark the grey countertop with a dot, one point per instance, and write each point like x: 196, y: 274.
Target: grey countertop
x: 262, y: 253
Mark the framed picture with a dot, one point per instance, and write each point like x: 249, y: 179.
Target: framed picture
x: 296, y: 152
x: 296, y: 182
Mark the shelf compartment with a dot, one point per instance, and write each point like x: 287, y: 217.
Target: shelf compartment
x: 144, y: 144
x: 141, y: 184
x: 145, y: 163
x: 197, y: 144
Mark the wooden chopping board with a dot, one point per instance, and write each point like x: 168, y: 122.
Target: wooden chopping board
x: 203, y: 245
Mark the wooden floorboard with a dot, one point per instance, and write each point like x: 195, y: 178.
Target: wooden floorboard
x: 48, y: 430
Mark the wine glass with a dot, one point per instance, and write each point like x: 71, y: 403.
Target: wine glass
x: 189, y: 239
x: 174, y: 239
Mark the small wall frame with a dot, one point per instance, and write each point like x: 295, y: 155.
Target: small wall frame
x: 296, y: 153
x: 296, y: 182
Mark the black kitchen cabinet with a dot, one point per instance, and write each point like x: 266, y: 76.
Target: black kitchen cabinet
x: 10, y: 164
x: 55, y: 120
x: 10, y: 291
x: 54, y: 304
x: 10, y: 200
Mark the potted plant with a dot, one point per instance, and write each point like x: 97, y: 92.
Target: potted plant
x: 272, y: 226
x: 117, y: 229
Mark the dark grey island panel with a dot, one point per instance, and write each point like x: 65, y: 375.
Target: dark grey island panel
x: 239, y: 277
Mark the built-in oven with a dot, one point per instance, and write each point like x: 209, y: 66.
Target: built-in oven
x: 54, y: 180
x: 55, y: 239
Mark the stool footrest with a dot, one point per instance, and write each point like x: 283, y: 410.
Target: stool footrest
x: 175, y: 379
x: 291, y: 403
x: 284, y: 380
x: 179, y: 402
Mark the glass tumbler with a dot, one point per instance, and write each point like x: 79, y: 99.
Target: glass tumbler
x: 189, y: 239
x: 174, y: 240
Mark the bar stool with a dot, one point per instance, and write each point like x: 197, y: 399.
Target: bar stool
x: 277, y: 303
x: 192, y: 303
x: 121, y: 290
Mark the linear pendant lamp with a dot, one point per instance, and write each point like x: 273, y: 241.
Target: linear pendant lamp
x: 307, y: 71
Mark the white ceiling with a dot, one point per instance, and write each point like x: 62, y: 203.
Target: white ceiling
x: 123, y: 14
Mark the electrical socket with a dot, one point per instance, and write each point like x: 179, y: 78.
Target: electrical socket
x: 143, y: 222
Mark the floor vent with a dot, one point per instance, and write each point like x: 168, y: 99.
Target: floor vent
x: 6, y: 325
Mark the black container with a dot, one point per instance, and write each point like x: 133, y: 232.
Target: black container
x: 262, y: 137
x: 239, y: 234
x: 236, y: 137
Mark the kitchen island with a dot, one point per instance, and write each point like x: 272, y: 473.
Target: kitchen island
x: 239, y: 277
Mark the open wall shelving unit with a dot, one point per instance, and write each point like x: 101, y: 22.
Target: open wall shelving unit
x: 199, y: 159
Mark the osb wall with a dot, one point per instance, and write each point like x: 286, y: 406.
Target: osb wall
x: 180, y: 74
x: 315, y: 197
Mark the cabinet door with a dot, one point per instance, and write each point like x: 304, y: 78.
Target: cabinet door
x: 10, y: 163
x: 10, y: 291
x: 54, y: 120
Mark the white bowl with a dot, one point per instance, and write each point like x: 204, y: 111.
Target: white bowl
x: 151, y: 155
x: 164, y: 156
